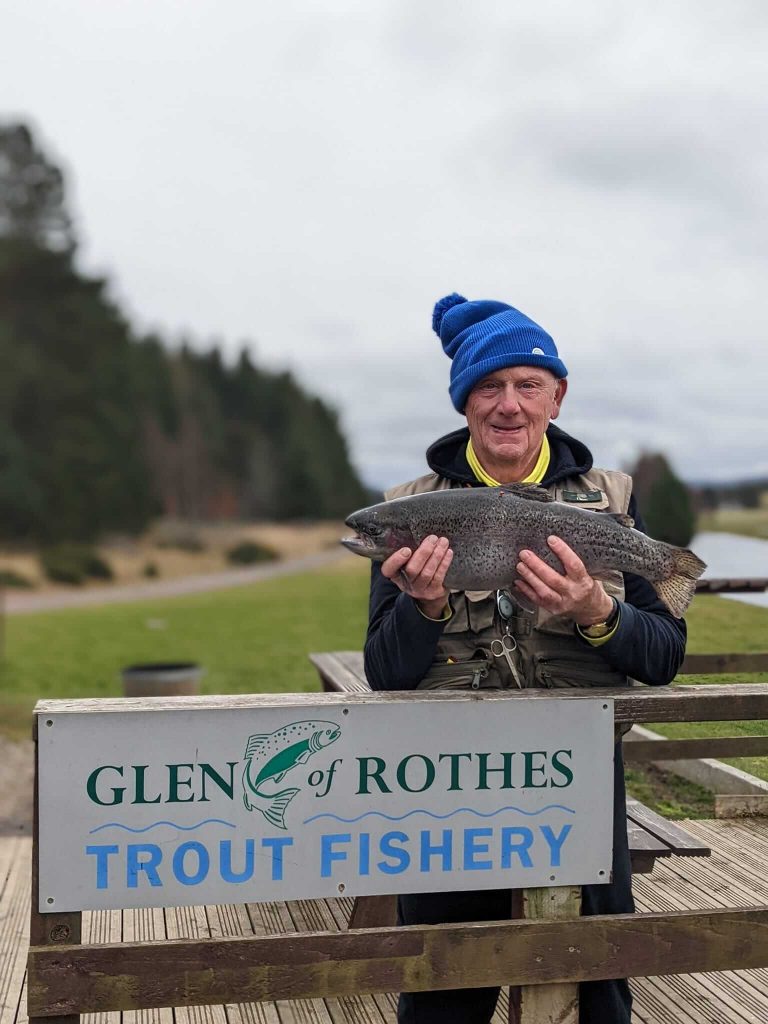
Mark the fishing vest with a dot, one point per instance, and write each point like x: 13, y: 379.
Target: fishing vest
x: 548, y: 652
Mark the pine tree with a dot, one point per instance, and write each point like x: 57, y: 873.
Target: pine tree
x: 663, y: 499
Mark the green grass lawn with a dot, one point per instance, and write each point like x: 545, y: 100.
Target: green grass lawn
x: 256, y: 639
x: 248, y: 639
x: 750, y: 522
x: 714, y: 626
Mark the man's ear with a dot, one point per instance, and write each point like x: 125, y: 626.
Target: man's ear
x: 560, y: 390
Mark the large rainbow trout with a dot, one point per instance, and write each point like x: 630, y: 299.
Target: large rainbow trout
x: 488, y: 527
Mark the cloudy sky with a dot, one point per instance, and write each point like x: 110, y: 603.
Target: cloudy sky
x: 309, y: 177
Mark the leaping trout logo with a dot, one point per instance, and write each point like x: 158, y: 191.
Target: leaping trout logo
x: 270, y: 756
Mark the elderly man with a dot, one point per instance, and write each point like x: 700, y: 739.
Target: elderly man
x: 508, y: 380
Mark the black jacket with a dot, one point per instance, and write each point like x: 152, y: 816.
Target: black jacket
x: 648, y: 645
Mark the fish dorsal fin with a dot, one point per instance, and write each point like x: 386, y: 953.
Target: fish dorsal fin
x: 620, y: 518
x: 530, y: 491
x: 254, y: 742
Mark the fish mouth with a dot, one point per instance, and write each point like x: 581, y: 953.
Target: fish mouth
x: 359, y: 544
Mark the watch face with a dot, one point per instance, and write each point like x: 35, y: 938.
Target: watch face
x: 598, y: 629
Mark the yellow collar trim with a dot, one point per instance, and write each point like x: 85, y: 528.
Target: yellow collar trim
x: 534, y: 477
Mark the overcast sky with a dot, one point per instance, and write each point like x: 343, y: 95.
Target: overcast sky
x: 309, y: 177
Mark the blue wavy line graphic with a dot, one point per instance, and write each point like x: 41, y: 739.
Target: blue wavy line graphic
x: 439, y: 817
x: 155, y: 824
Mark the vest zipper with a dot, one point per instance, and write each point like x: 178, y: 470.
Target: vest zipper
x: 477, y: 675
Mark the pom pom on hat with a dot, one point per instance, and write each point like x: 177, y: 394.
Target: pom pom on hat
x: 441, y: 308
x: 483, y: 336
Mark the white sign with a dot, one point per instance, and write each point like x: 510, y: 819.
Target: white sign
x: 191, y: 806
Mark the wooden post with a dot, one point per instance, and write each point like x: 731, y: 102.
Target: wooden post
x: 548, y: 1004
x: 48, y: 929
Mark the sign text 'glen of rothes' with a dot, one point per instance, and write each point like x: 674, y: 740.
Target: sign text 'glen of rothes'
x: 188, y: 806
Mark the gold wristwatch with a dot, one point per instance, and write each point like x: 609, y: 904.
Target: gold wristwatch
x: 601, y: 629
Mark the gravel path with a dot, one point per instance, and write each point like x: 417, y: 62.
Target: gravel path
x: 16, y: 775
x: 24, y: 603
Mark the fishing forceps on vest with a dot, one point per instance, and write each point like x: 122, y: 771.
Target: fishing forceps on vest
x: 506, y: 647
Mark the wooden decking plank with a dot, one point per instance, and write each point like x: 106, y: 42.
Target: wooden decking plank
x: 14, y: 925
x: 252, y: 1013
x: 736, y: 840
x: 743, y: 841
x: 314, y: 915
x: 734, y: 997
x: 740, y: 990
x: 232, y: 919
x: 706, y: 994
x: 727, y: 878
x: 102, y: 926
x: 663, y: 1006
x: 145, y: 924
x: 696, y: 890
x: 275, y: 919
x: 192, y: 923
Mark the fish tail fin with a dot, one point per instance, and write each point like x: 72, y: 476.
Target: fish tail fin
x: 677, y: 590
x: 274, y: 812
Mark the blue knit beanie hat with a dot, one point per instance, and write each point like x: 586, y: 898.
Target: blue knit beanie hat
x: 483, y: 336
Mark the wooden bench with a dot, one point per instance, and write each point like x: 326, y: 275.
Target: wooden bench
x: 650, y: 835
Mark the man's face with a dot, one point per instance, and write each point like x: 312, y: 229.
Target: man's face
x: 508, y: 412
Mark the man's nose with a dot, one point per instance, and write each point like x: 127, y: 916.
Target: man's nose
x: 509, y: 401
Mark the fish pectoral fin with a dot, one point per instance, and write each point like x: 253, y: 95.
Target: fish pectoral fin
x: 254, y: 743
x: 530, y: 491
x: 303, y: 757
x: 274, y: 812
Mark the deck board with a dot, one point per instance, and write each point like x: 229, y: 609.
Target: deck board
x: 735, y: 875
x: 14, y: 924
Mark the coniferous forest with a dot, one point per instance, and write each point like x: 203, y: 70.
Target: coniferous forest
x: 102, y: 429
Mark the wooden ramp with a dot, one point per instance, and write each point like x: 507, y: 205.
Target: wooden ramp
x: 735, y: 875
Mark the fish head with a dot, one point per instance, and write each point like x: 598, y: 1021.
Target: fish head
x: 324, y: 735
x: 380, y: 531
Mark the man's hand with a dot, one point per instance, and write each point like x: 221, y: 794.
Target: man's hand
x: 421, y: 573
x: 574, y: 594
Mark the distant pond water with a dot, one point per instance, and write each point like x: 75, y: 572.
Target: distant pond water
x: 728, y: 554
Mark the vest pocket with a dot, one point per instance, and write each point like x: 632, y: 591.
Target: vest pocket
x: 556, y: 670
x: 472, y: 674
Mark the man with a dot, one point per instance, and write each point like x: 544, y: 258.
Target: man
x: 508, y: 380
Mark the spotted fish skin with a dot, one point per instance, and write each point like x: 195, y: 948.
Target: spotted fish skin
x: 488, y: 527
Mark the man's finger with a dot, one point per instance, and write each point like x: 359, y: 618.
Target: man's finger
x: 421, y: 556
x: 572, y: 564
x: 445, y: 564
x: 540, y: 571
x: 535, y: 583
x: 435, y: 558
x: 392, y: 566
